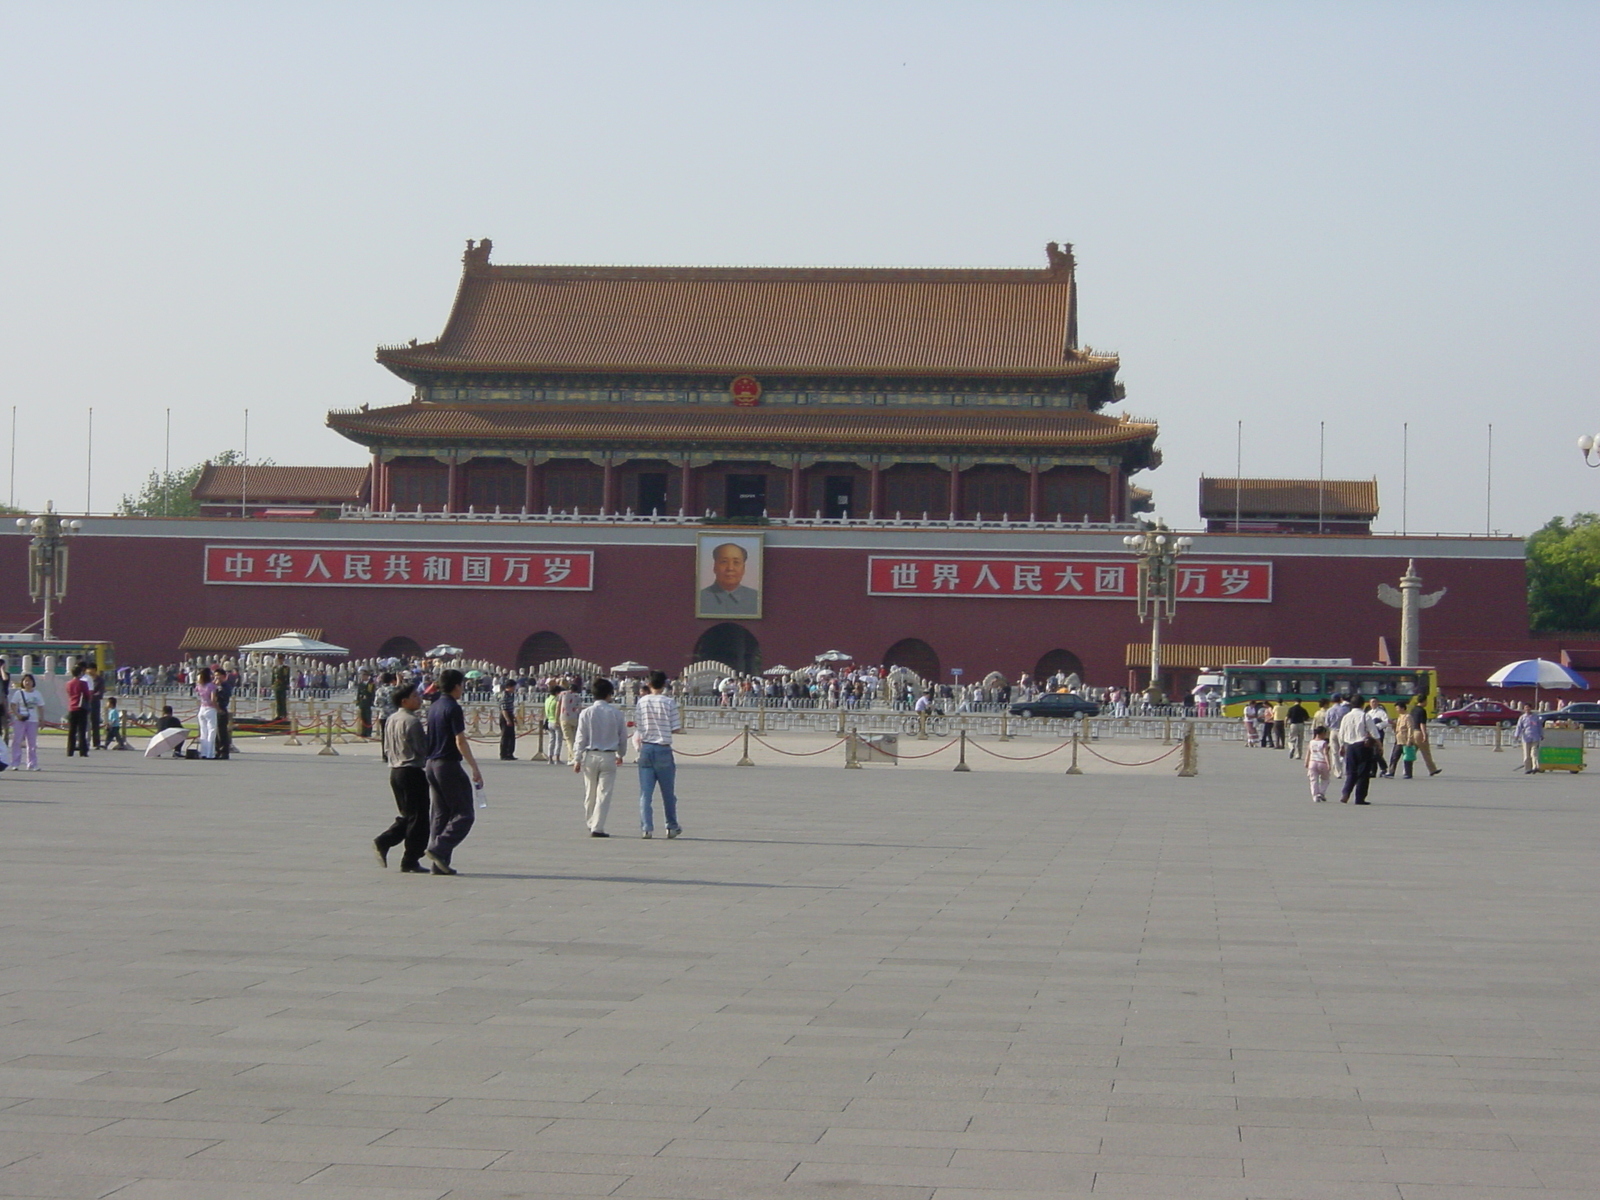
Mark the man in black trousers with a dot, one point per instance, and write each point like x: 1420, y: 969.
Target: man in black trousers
x: 1357, y: 733
x: 508, y: 721
x: 405, y: 744
x: 78, y: 692
x: 449, y: 789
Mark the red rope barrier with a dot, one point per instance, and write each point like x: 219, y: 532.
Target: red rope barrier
x: 708, y: 753
x: 1146, y: 763
x: 1018, y: 757
x: 795, y: 753
x: 929, y: 754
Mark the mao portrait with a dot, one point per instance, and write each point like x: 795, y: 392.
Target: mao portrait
x: 728, y: 575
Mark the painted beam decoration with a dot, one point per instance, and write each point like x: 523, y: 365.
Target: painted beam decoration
x: 1060, y: 578
x: 401, y: 567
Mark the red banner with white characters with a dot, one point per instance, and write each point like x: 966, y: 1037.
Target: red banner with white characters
x: 1060, y: 578
x: 388, y: 566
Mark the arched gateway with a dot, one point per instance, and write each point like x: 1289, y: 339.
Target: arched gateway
x: 914, y: 654
x: 400, y: 647
x: 542, y: 647
x: 1063, y: 661
x: 732, y: 644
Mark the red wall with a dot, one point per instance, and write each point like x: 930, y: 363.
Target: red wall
x: 144, y: 592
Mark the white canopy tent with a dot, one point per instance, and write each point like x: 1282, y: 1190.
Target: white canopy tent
x: 295, y: 643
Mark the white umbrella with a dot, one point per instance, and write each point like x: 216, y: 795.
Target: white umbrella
x: 164, y: 741
x: 444, y: 651
x: 295, y: 643
x: 1537, y: 673
x: 835, y: 656
x: 628, y: 668
x: 780, y: 670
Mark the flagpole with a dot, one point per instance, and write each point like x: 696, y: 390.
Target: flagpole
x: 1322, y: 453
x: 1405, y: 477
x: 244, y: 468
x: 1238, y: 473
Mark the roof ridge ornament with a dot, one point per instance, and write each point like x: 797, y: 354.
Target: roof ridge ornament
x: 1064, y: 266
x: 477, y: 256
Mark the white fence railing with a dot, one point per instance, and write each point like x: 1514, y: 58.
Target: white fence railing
x: 352, y: 512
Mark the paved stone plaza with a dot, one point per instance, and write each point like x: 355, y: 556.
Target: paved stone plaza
x: 888, y: 984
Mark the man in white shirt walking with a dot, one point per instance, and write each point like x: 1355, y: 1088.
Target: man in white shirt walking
x: 1356, y: 732
x: 656, y: 719
x: 597, y: 753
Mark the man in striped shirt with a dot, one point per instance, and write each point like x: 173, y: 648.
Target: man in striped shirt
x: 656, y: 719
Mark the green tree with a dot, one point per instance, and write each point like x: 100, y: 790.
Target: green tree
x: 167, y: 494
x: 1564, y: 574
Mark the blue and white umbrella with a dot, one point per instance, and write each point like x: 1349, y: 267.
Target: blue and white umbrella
x: 1537, y: 673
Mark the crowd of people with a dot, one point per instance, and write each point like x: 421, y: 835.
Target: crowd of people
x: 1358, y: 740
x: 434, y: 775
x: 93, y: 719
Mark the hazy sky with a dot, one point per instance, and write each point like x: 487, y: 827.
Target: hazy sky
x: 1361, y: 213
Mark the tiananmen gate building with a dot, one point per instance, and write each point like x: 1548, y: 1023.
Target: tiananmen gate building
x: 921, y: 467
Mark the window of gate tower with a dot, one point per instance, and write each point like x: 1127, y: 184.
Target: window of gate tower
x: 746, y: 495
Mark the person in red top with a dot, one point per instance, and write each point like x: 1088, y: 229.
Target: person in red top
x: 79, y: 692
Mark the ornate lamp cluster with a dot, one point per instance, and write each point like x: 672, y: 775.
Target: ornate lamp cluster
x: 47, y: 559
x: 1158, y: 551
x: 1586, y: 444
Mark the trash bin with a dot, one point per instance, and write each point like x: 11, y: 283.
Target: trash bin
x: 878, y: 747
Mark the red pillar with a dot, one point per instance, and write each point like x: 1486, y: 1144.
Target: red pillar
x: 529, y: 490
x: 875, y: 492
x: 1113, y: 495
x: 1033, y: 492
x: 797, y: 479
x: 608, y: 482
x: 450, y: 481
x: 955, y: 491
x: 687, y: 501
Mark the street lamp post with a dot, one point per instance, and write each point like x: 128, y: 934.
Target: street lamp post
x: 1158, y: 552
x: 1587, y: 443
x: 47, y: 560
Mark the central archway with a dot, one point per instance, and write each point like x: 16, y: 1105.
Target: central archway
x: 542, y: 647
x: 400, y: 647
x: 730, y: 643
x: 1064, y: 662
x: 913, y: 654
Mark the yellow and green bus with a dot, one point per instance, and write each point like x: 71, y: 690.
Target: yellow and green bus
x: 50, y: 664
x: 1311, y: 679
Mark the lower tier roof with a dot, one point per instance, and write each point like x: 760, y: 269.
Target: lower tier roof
x: 706, y: 427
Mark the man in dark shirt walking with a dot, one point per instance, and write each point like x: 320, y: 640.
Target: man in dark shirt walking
x: 1297, y: 717
x: 449, y: 789
x: 508, y: 720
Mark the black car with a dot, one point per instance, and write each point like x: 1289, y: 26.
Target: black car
x: 1056, y: 704
x: 1585, y: 714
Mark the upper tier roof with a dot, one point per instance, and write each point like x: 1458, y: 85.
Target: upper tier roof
x: 716, y: 320
x: 1341, y: 498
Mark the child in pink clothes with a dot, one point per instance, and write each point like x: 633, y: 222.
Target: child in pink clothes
x: 1319, y: 765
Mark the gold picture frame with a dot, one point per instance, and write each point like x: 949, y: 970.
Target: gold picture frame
x: 734, y: 588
